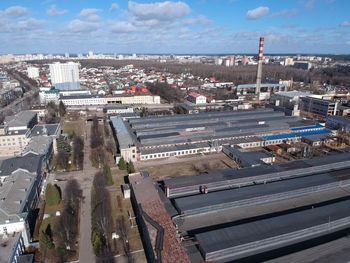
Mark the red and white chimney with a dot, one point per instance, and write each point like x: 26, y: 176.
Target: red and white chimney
x: 260, y: 60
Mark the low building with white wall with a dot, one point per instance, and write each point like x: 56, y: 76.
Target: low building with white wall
x: 196, y: 98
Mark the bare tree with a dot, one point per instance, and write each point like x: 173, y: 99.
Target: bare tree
x: 101, y: 209
x: 123, y: 232
x: 67, y: 225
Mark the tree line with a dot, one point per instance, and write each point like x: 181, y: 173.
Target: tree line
x: 101, y: 215
x: 58, y: 242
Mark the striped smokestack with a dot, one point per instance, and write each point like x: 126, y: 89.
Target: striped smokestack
x: 260, y: 59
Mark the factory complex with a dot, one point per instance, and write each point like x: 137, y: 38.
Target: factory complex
x: 231, y: 214
x: 150, y: 138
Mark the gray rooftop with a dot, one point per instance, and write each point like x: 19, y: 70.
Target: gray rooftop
x: 228, y: 178
x: 22, y: 118
x: 46, y: 129
x: 185, y: 204
x: 293, y: 93
x: 124, y: 137
x: 30, y: 162
x: 14, y: 192
x: 39, y: 145
x: 248, y: 158
x: 230, y: 237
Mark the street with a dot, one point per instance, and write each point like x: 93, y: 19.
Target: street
x: 85, y: 179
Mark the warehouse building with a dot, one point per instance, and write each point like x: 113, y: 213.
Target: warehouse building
x: 160, y: 137
x: 338, y: 122
x: 319, y: 105
x: 248, y: 158
x: 230, y: 178
x: 235, y: 242
x: 220, y: 224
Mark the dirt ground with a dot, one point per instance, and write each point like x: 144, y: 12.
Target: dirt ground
x: 69, y: 126
x: 190, y: 167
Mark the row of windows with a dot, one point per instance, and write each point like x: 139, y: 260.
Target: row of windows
x: 159, y: 155
x: 9, y: 139
x: 7, y: 144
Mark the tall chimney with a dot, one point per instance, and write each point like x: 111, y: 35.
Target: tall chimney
x: 260, y: 59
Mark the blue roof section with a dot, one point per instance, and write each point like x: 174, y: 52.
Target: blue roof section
x: 279, y: 136
x: 293, y: 135
x: 317, y: 126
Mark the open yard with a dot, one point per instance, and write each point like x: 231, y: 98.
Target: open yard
x: 122, y: 208
x: 76, y: 126
x: 187, y: 166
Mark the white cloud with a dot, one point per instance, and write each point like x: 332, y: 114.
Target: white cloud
x: 90, y: 14
x: 16, y: 10
x: 345, y: 24
x: 30, y: 24
x: 114, y: 6
x: 159, y: 10
x: 199, y: 20
x: 257, y: 12
x: 122, y: 27
x: 285, y: 13
x: 54, y: 11
x: 79, y: 26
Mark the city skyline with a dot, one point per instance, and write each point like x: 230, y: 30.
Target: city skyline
x: 197, y: 26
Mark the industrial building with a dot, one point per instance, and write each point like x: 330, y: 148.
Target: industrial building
x: 227, y: 179
x: 266, y: 89
x: 248, y: 158
x: 319, y: 106
x: 338, y: 122
x: 227, y: 215
x: 180, y: 135
x: 231, y: 243
x: 288, y: 101
x: 160, y: 239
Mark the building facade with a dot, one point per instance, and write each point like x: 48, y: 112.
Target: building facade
x: 319, y: 106
x: 33, y: 72
x: 65, y: 75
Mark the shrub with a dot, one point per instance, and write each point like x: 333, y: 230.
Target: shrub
x: 52, y: 195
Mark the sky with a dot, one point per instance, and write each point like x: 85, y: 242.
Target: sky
x: 176, y: 27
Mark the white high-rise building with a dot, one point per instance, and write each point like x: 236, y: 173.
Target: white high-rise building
x: 65, y: 76
x: 33, y: 72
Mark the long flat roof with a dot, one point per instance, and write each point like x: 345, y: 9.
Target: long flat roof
x: 188, y: 203
x: 123, y: 134
x: 292, y: 169
x: 234, y: 236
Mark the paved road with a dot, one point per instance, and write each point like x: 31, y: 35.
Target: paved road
x: 85, y: 179
x: 86, y: 254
